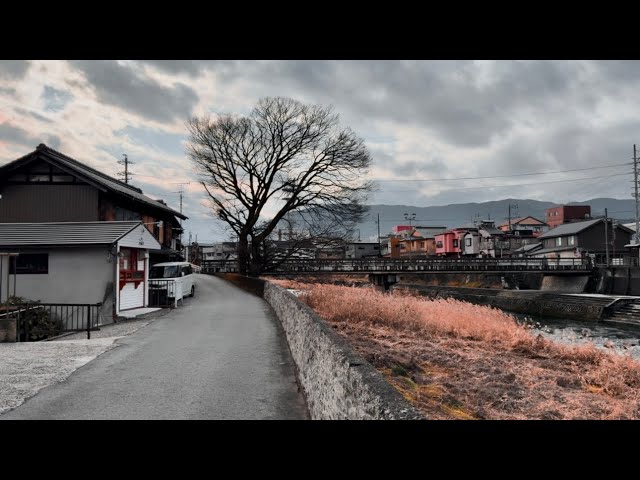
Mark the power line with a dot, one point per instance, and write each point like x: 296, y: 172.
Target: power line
x: 500, y: 176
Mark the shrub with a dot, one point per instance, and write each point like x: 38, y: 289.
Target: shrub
x: 37, y: 322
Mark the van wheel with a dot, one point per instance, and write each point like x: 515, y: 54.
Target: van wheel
x: 193, y: 291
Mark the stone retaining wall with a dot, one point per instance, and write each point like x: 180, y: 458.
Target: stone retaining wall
x: 337, y: 382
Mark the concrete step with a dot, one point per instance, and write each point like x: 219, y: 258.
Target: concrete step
x: 627, y: 321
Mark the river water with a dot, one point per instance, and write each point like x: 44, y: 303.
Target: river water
x: 620, y: 338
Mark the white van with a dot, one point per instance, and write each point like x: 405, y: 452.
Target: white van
x: 181, y: 272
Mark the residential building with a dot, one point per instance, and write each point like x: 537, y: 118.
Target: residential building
x: 538, y: 227
x: 417, y: 246
x: 80, y: 263
x: 562, y: 214
x: 451, y: 242
x: 48, y: 186
x: 361, y: 249
x: 329, y: 252
x: 390, y: 246
x: 472, y: 244
x: 220, y: 251
x: 578, y: 239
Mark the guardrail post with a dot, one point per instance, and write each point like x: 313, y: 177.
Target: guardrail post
x: 26, y: 325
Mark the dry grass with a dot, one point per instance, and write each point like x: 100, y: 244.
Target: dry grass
x: 456, y: 360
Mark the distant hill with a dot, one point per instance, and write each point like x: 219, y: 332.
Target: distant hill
x: 461, y: 213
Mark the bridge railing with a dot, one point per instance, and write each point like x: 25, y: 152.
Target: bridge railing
x: 433, y: 264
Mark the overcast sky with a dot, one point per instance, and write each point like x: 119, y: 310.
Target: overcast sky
x: 420, y: 120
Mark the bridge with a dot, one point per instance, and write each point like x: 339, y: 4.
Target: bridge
x: 432, y: 265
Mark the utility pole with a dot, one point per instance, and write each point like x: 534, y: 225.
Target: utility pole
x: 606, y: 236
x: 379, y: 247
x: 515, y: 207
x: 125, y: 174
x: 635, y: 188
x: 181, y: 192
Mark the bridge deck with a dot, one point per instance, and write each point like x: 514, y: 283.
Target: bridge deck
x: 435, y: 265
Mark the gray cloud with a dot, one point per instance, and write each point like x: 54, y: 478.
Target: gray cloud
x: 13, y: 69
x: 190, y: 67
x: 13, y: 134
x: 20, y: 136
x: 31, y: 113
x: 441, y: 95
x: 55, y: 100
x: 127, y: 89
x: 478, y: 119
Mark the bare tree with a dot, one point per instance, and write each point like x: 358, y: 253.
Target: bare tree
x: 283, y: 157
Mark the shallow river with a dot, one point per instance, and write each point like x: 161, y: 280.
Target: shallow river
x: 622, y: 339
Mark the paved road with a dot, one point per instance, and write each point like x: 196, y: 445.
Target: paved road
x: 221, y: 356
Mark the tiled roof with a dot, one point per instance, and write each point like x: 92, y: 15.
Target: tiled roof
x: 575, y: 227
x: 63, y: 233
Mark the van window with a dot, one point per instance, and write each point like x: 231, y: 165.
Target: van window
x: 163, y: 272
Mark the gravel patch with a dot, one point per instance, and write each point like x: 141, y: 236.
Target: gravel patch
x: 26, y: 368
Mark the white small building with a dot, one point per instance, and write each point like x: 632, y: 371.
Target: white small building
x: 80, y: 263
x: 361, y: 250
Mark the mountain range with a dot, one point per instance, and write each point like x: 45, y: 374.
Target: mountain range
x: 462, y: 213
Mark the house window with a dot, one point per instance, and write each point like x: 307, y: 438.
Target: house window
x: 30, y: 263
x: 360, y: 248
x: 572, y: 240
x: 468, y: 242
x: 124, y: 215
x: 62, y: 178
x: 455, y: 242
x: 558, y: 241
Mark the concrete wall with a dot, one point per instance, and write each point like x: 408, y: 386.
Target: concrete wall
x: 545, y: 304
x: 338, y: 383
x: 460, y: 279
x: 565, y: 283
x: 616, y: 281
x: 76, y: 275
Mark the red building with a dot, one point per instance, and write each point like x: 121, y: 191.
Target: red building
x: 566, y: 214
x: 451, y: 242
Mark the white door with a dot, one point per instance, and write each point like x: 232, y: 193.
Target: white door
x: 132, y: 297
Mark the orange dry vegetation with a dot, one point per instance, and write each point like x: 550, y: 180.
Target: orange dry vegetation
x: 455, y: 360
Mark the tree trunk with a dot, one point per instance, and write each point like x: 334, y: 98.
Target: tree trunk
x: 243, y: 255
x: 256, y: 265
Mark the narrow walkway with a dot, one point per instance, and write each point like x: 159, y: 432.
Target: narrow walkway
x: 223, y: 355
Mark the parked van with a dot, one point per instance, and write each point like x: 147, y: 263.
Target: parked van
x: 181, y: 272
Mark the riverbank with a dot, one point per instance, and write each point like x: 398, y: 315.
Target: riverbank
x: 455, y: 360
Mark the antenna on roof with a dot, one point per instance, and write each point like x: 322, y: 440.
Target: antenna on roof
x: 124, y: 175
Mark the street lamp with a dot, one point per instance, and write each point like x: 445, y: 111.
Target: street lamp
x: 410, y: 217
